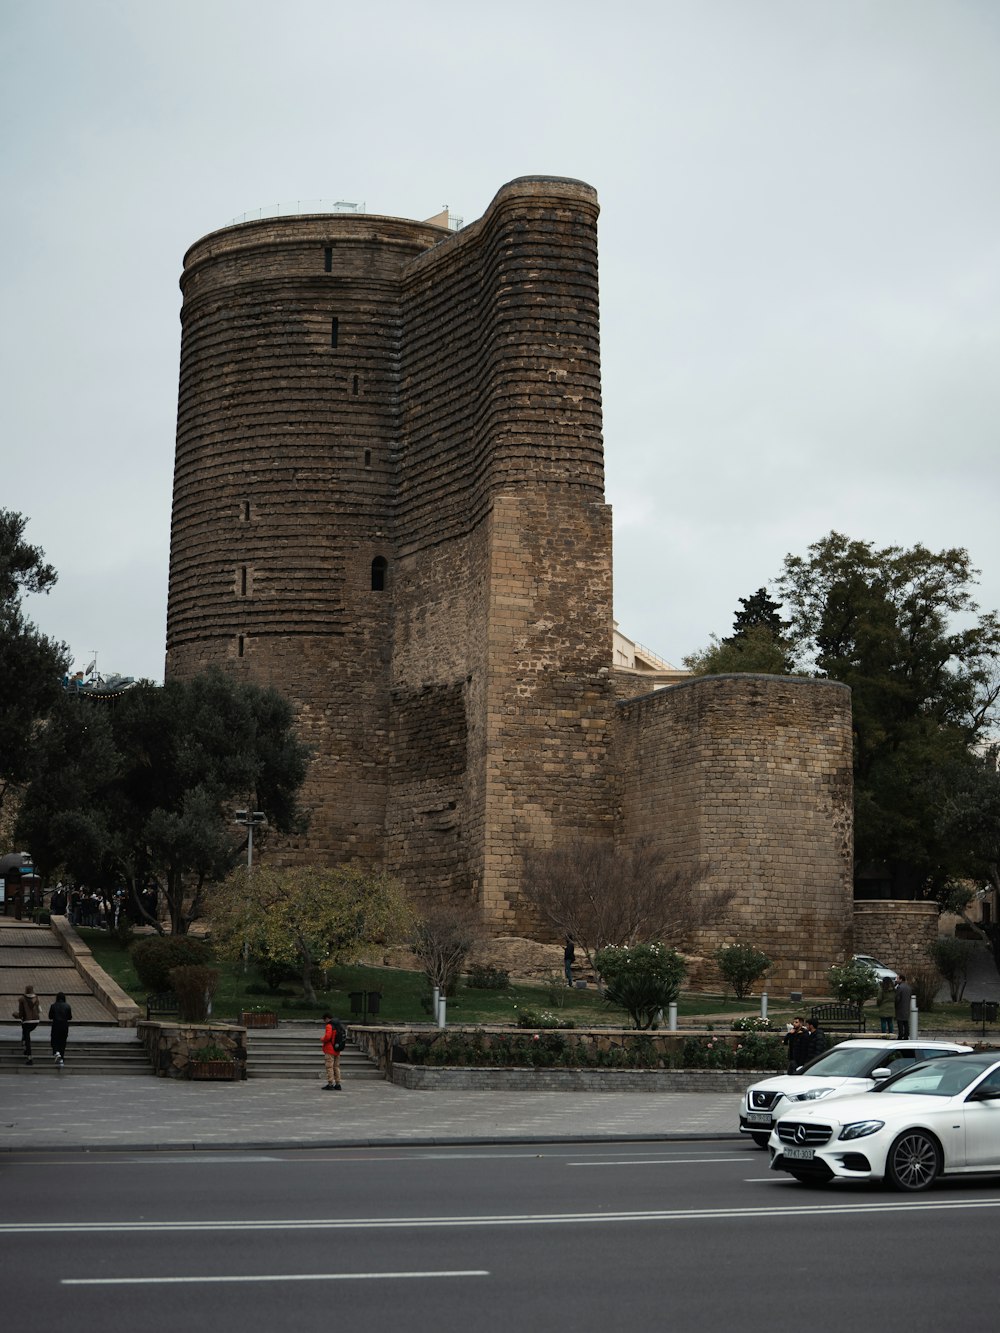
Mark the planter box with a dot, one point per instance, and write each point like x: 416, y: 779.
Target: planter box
x: 255, y: 1019
x: 226, y: 1070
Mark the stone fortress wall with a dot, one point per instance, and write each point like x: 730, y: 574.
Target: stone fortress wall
x: 389, y: 503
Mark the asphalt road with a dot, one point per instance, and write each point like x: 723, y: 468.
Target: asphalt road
x: 685, y: 1236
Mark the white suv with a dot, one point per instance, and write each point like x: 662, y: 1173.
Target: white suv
x: 850, y: 1067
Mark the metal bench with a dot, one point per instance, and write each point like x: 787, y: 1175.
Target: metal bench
x: 365, y: 1004
x: 838, y: 1017
x: 162, y: 1003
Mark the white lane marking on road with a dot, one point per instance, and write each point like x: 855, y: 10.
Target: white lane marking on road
x: 661, y: 1161
x: 264, y: 1277
x: 196, y: 1159
x: 23, y: 1229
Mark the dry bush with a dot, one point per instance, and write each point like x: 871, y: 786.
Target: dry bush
x: 602, y: 895
x: 443, y: 939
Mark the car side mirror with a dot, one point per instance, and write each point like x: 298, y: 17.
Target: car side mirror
x: 879, y: 1074
x: 984, y: 1095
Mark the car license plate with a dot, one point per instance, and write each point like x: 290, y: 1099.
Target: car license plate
x: 799, y: 1154
x: 758, y: 1117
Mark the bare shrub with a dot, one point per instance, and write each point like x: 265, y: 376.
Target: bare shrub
x: 442, y: 940
x: 602, y: 895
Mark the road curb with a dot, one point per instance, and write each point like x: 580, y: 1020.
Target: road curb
x: 429, y: 1141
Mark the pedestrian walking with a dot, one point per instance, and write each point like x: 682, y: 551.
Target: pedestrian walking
x: 334, y: 1041
x: 60, y: 1016
x: 904, y: 993
x: 27, y: 1012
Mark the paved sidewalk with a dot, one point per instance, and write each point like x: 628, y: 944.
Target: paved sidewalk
x: 109, y: 1113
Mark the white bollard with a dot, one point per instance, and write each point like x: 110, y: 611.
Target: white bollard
x: 442, y: 1011
x: 763, y: 1005
x: 672, y: 1015
x: 914, y: 1019
x: 435, y: 1003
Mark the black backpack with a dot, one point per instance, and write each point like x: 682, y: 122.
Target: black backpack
x: 339, y: 1035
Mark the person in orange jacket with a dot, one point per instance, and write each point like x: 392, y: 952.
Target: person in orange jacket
x: 334, y: 1041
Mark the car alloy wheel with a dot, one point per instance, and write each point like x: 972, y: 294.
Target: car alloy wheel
x: 761, y: 1140
x: 914, y: 1161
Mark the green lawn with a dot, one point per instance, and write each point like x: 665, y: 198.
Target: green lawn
x: 403, y: 991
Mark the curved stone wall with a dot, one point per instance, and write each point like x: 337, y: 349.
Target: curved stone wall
x: 897, y: 933
x: 748, y: 778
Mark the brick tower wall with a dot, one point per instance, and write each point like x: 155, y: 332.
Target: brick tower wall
x: 284, y: 484
x: 503, y: 598
x: 452, y: 426
x: 749, y: 777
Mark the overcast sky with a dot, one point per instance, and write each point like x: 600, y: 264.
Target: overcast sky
x: 799, y: 247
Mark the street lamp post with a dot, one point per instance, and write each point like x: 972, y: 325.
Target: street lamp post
x: 250, y: 819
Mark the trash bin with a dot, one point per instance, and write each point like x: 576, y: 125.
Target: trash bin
x: 357, y: 999
x: 374, y: 1001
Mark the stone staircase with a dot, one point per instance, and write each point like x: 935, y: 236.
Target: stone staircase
x: 287, y: 1053
x: 86, y: 1055
x: 281, y: 1053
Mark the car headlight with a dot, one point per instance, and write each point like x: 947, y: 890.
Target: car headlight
x: 860, y: 1128
x: 812, y: 1095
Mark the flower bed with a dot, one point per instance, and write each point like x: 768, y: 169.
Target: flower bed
x: 259, y: 1018
x: 625, y: 1049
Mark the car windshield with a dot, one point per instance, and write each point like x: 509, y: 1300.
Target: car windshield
x: 940, y: 1078
x: 844, y: 1062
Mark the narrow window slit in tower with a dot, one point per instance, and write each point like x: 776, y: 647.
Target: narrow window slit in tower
x: 379, y: 566
x: 368, y: 458
x: 333, y: 331
x: 243, y: 580
x: 354, y: 385
x: 328, y: 259
x: 246, y: 511
x: 239, y: 646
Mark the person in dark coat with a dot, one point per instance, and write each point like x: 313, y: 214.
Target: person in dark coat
x: 27, y: 1013
x: 797, y: 1041
x: 904, y: 993
x: 569, y: 958
x: 815, y: 1039
x: 60, y: 1016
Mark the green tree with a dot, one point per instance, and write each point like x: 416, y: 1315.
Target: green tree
x: 642, y: 980
x: 951, y: 957
x: 740, y: 966
x: 758, y: 643
x: 309, y: 916
x: 144, y: 788
x: 966, y: 797
x: 854, y: 983
x: 901, y: 628
x: 31, y: 664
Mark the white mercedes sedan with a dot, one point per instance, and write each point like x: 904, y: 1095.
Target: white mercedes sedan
x: 937, y: 1118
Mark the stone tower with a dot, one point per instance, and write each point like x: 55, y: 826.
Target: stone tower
x: 389, y: 503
